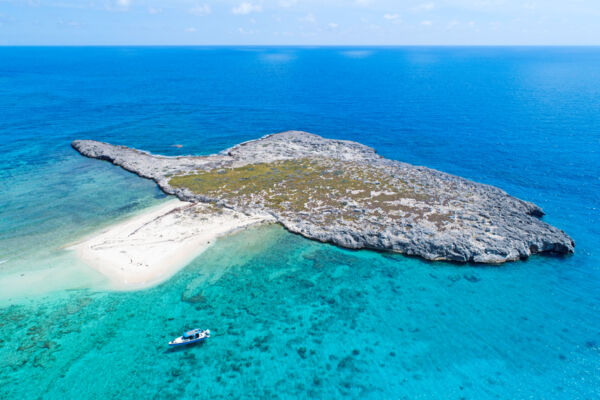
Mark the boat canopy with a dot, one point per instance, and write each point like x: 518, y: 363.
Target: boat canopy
x: 191, y: 333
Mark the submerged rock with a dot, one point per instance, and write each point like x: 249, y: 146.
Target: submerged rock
x: 344, y: 193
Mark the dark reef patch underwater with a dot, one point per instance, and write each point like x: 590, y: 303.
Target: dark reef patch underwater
x: 294, y: 318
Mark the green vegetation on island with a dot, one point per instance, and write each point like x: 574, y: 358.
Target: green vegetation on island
x: 339, y: 189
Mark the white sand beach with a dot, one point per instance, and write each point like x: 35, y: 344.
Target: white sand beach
x: 149, y: 248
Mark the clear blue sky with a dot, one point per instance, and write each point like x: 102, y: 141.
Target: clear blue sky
x: 308, y: 22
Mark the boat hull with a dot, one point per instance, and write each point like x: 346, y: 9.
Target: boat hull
x: 187, y: 343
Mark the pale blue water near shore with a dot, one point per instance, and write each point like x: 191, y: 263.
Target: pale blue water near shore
x: 293, y: 318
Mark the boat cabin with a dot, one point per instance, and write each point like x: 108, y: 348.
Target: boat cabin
x: 195, y: 334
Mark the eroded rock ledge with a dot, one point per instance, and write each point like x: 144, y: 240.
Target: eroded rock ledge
x: 344, y: 193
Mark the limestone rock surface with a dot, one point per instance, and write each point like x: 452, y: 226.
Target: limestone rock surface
x: 344, y: 193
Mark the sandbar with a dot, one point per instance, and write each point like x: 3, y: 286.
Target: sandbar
x: 149, y: 248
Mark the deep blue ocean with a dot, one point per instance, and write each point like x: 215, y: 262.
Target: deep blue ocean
x: 292, y: 318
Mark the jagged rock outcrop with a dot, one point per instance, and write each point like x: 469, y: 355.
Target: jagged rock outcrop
x: 344, y: 193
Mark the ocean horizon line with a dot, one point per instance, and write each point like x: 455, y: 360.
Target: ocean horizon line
x: 325, y: 46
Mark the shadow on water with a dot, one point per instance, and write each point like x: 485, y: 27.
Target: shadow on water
x: 184, y: 348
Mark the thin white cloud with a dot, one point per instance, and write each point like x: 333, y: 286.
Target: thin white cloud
x: 426, y: 23
x: 246, y: 31
x: 332, y: 25
x: 310, y: 18
x: 246, y: 8
x: 391, y: 17
x: 424, y: 7
x: 153, y: 10
x: 453, y: 24
x: 191, y: 29
x: 287, y: 3
x: 495, y: 25
x: 70, y: 24
x: 200, y: 10
x: 112, y: 5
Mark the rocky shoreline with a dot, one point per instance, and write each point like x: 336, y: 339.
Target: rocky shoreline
x: 344, y: 193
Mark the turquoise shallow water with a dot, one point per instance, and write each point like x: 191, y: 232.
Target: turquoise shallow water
x: 293, y: 318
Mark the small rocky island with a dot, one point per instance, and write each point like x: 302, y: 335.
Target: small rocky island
x: 344, y: 193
